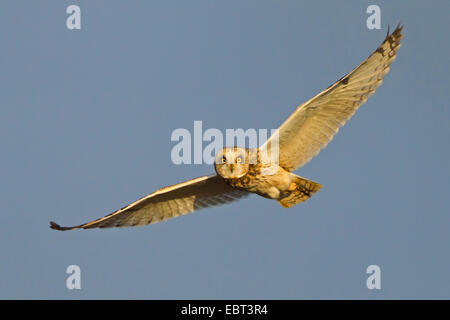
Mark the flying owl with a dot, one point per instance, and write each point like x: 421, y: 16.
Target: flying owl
x: 242, y: 171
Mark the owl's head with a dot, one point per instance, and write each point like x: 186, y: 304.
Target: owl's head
x: 232, y: 163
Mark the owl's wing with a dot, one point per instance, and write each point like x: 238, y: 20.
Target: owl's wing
x: 167, y: 203
x: 314, y: 123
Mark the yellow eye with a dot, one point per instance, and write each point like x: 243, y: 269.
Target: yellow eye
x: 224, y: 160
x: 239, y: 159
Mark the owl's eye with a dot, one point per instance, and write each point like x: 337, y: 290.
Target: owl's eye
x: 224, y: 160
x: 239, y: 159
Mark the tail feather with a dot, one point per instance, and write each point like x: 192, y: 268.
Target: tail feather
x: 301, y: 190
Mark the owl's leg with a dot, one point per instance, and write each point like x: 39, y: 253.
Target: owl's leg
x: 273, y: 193
x: 300, y: 189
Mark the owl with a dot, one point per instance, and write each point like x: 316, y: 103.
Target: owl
x: 243, y: 171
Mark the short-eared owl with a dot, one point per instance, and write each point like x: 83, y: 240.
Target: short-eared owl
x: 242, y: 171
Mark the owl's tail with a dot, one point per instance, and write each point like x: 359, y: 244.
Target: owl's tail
x: 300, y: 190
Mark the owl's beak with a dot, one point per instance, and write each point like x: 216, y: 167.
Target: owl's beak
x: 231, y: 167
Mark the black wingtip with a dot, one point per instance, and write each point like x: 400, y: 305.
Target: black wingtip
x: 56, y: 226
x: 398, y: 29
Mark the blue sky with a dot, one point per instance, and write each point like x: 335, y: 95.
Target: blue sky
x: 87, y: 117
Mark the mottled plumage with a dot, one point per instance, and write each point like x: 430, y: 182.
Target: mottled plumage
x: 243, y: 171
x: 263, y: 177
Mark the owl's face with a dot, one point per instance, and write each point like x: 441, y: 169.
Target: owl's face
x: 232, y: 163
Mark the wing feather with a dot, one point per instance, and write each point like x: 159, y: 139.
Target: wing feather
x: 167, y: 203
x: 314, y: 123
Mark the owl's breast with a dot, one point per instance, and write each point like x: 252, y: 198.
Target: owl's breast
x: 251, y: 180
x: 267, y: 180
x: 257, y: 178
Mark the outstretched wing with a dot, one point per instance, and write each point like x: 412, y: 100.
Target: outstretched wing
x: 314, y: 123
x: 167, y: 203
